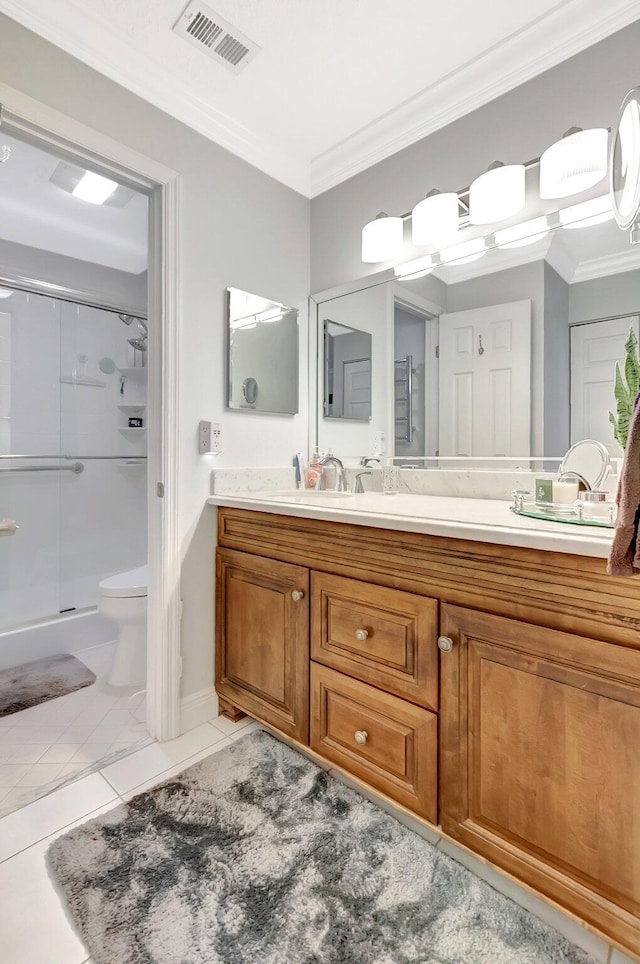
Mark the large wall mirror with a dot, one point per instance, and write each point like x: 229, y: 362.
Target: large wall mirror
x: 263, y: 354
x: 509, y: 354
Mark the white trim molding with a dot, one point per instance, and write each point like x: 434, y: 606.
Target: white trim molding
x: 198, y: 708
x: 569, y: 28
x: 563, y: 32
x: 89, y: 38
x: 608, y: 265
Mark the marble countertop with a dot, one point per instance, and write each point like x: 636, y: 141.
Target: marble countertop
x: 479, y: 520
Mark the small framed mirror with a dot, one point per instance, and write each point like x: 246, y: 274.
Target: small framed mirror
x: 589, y: 461
x: 347, y: 372
x: 263, y: 354
x: 624, y: 162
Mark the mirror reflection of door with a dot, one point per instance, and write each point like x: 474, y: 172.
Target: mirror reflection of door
x: 485, y: 381
x: 356, y: 380
x: 347, y: 372
x: 595, y: 349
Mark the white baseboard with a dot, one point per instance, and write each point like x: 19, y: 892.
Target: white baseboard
x: 198, y: 708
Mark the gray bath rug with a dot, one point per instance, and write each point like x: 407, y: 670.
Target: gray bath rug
x: 41, y: 680
x: 257, y: 856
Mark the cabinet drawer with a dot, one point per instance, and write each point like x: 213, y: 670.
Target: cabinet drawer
x: 382, y: 636
x: 385, y: 741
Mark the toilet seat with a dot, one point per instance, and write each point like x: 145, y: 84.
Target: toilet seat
x: 134, y: 582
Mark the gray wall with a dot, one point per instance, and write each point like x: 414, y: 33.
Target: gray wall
x: 585, y: 90
x: 106, y: 285
x: 618, y: 294
x: 556, y: 363
x: 223, y: 199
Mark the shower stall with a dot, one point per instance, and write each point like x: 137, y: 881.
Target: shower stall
x: 73, y: 450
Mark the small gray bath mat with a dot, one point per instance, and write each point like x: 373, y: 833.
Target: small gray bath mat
x: 41, y: 680
x: 257, y: 856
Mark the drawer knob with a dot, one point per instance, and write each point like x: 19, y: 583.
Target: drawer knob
x: 297, y: 595
x: 445, y: 643
x: 360, y: 736
x: 362, y: 634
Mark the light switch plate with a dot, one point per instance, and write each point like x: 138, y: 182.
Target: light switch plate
x: 216, y: 438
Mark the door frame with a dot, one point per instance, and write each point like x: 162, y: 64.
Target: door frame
x: 430, y: 313
x: 54, y: 131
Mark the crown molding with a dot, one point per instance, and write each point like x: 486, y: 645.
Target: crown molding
x: 72, y: 28
x: 88, y: 38
x: 560, y: 34
x: 610, y: 264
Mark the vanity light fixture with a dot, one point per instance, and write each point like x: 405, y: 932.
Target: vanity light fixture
x: 418, y: 268
x: 382, y: 239
x: 436, y: 219
x: 497, y: 194
x: 519, y: 235
x: 465, y: 252
x: 574, y: 163
x: 94, y: 188
x: 587, y: 213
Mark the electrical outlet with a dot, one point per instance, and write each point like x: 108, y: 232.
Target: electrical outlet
x: 216, y: 438
x: 378, y: 443
x: 204, y: 437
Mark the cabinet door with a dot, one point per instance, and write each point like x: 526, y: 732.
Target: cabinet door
x: 540, y: 762
x: 262, y: 645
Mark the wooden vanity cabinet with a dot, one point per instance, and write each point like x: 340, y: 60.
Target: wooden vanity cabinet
x: 540, y: 751
x: 262, y: 640
x: 521, y: 737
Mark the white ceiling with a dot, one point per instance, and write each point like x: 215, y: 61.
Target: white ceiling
x: 338, y: 84
x: 37, y: 213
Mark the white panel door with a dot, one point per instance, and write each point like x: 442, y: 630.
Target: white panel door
x: 357, y: 388
x: 595, y: 349
x: 485, y: 381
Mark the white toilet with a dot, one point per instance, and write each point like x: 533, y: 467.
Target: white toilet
x: 123, y: 598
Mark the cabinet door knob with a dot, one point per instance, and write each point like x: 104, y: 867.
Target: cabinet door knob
x: 362, y: 634
x: 360, y: 736
x: 445, y: 643
x: 297, y: 595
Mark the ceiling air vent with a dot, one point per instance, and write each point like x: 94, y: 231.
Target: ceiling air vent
x: 215, y: 36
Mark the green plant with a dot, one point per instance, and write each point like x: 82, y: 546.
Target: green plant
x: 625, y: 390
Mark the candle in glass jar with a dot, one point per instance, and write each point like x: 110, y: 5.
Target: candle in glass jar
x: 565, y: 493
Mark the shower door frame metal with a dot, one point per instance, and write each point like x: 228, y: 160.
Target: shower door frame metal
x: 51, y: 130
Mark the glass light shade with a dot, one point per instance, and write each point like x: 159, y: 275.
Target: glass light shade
x: 587, y: 213
x: 519, y: 235
x: 417, y: 268
x: 435, y: 220
x: 465, y: 252
x: 382, y: 239
x: 574, y: 164
x: 497, y: 194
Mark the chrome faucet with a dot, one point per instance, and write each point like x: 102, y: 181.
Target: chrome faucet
x: 342, y: 475
x: 357, y: 484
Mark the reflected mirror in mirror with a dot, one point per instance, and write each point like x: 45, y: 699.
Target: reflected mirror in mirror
x: 512, y: 354
x: 263, y: 354
x: 347, y: 372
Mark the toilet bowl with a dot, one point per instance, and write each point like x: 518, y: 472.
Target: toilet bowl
x: 123, y: 598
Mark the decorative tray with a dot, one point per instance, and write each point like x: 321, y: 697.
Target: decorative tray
x: 577, y: 514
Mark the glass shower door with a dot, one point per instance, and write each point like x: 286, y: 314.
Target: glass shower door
x: 30, y: 464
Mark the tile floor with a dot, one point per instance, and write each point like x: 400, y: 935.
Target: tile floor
x: 34, y: 927
x: 48, y: 745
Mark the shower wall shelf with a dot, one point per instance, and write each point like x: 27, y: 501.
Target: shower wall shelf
x: 138, y: 372
x: 73, y: 380
x: 131, y: 431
